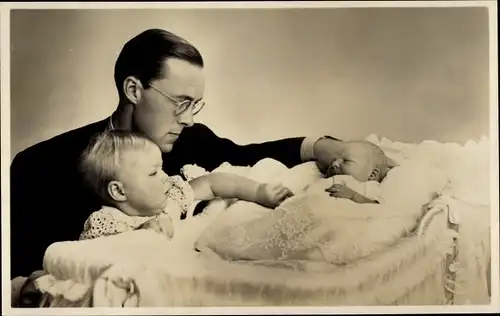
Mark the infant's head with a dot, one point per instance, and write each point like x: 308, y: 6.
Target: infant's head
x: 125, y: 170
x: 370, y: 162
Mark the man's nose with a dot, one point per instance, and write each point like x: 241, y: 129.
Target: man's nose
x: 186, y: 118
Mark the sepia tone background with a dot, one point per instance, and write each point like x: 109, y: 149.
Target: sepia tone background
x: 409, y: 74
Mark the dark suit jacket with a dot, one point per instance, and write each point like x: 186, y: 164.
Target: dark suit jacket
x: 50, y: 203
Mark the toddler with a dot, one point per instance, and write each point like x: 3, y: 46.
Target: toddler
x: 125, y: 170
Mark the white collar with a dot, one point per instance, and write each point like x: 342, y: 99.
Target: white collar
x: 110, y: 123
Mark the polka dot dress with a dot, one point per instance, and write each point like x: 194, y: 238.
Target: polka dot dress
x: 111, y: 221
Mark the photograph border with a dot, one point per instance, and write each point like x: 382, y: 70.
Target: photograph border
x: 6, y: 158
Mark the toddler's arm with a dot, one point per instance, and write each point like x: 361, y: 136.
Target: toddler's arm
x: 226, y: 185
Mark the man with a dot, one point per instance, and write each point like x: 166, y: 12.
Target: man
x: 160, y: 82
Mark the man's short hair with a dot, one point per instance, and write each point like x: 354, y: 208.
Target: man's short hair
x: 100, y: 161
x: 143, y: 56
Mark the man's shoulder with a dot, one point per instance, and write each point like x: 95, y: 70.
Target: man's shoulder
x: 64, y: 145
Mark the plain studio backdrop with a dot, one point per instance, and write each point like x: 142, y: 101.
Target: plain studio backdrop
x: 408, y: 74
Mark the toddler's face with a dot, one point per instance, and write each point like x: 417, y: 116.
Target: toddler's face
x: 144, y: 182
x: 369, y: 160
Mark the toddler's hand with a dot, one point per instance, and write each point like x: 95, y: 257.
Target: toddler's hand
x: 271, y: 195
x: 341, y: 191
x: 162, y: 224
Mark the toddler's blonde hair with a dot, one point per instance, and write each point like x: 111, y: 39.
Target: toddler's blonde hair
x: 100, y: 161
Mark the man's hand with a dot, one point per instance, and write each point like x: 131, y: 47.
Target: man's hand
x: 272, y: 195
x: 341, y: 191
x: 162, y: 224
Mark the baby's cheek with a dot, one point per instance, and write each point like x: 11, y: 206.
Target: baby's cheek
x: 349, y: 169
x: 357, y: 172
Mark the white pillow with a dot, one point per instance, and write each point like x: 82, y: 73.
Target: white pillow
x: 413, y: 183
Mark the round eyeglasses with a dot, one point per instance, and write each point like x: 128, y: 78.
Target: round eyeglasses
x: 182, y: 106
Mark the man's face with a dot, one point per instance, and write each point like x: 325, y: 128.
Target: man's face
x: 154, y: 115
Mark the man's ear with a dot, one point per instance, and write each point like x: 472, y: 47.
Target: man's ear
x: 116, y: 191
x: 132, y: 89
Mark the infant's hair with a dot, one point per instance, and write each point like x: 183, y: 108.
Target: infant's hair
x: 100, y: 161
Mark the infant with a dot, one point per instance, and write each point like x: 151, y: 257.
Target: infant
x: 358, y: 181
x: 307, y: 226
x: 125, y: 170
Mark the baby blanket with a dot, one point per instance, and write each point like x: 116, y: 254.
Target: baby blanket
x: 314, y: 226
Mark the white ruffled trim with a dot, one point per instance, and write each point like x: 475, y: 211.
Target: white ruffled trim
x: 71, y: 290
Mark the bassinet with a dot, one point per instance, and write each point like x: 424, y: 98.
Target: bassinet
x: 444, y: 260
